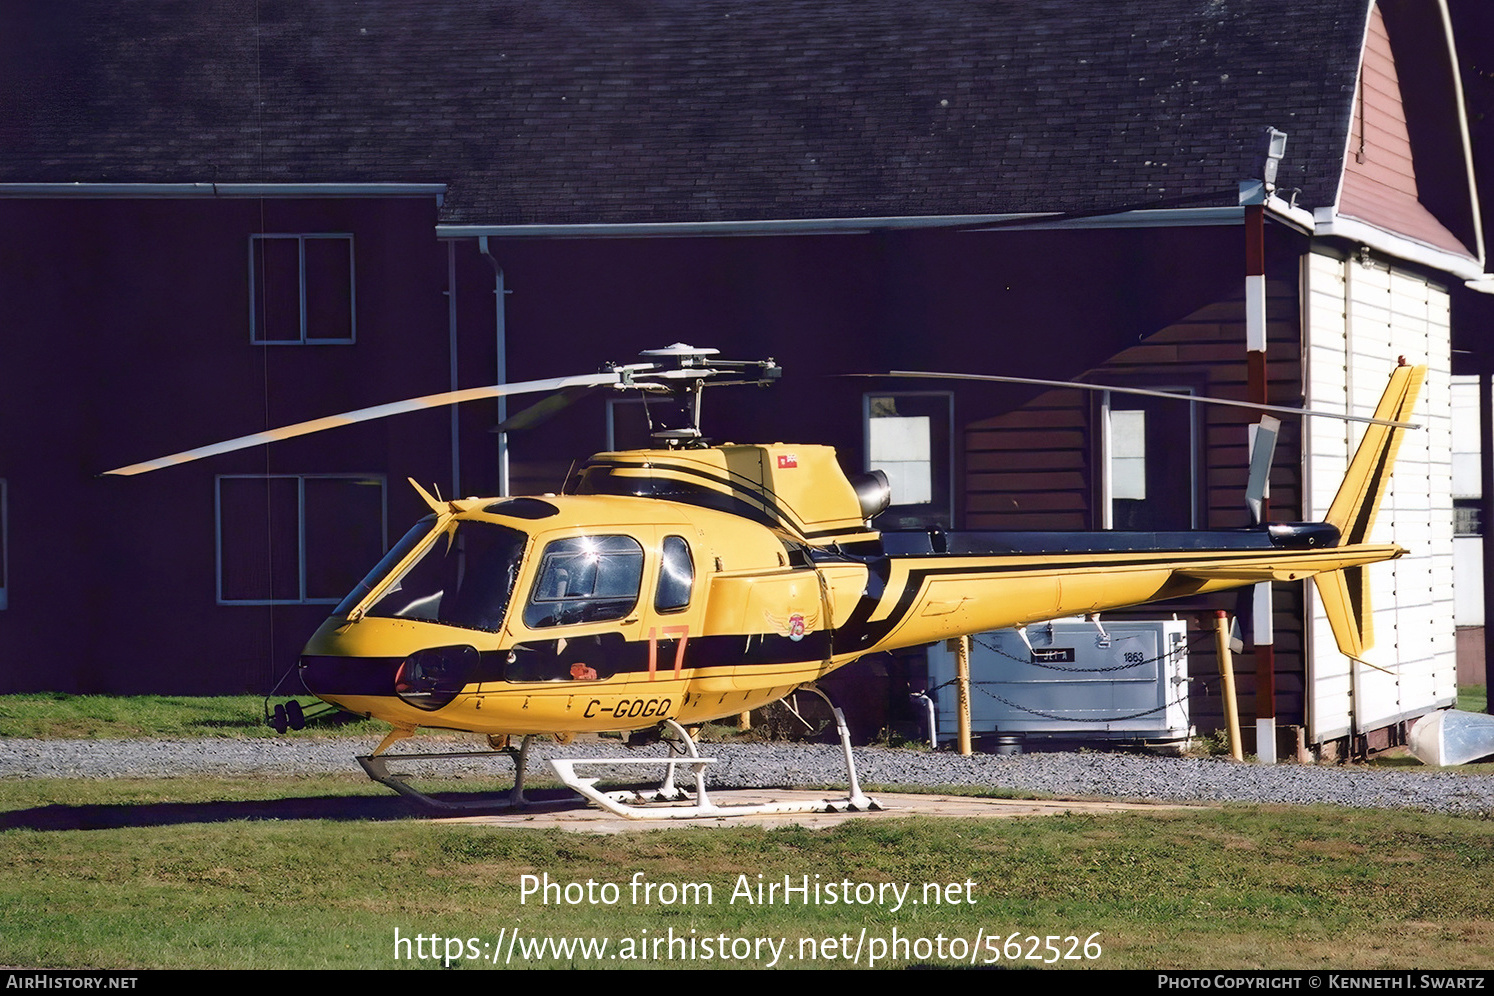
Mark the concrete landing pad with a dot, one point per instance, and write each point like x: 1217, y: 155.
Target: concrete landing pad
x: 585, y: 819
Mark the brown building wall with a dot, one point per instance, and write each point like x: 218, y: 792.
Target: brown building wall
x: 1038, y: 467
x: 127, y: 337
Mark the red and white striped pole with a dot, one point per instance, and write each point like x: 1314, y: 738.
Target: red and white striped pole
x: 1263, y: 634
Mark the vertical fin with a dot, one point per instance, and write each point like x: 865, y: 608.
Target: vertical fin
x: 1358, y: 499
x: 1345, y: 593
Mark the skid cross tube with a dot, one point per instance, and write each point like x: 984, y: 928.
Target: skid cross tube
x: 376, y: 765
x: 632, y: 805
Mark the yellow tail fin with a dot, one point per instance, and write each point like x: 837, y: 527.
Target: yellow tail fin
x: 1345, y: 593
x: 1358, y: 499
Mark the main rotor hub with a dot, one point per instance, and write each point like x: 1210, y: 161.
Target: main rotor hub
x: 676, y: 380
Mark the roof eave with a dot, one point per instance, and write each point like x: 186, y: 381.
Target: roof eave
x: 145, y: 191
x: 1331, y: 224
x: 1163, y: 218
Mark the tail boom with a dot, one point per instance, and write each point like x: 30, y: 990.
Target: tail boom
x: 931, y: 598
x: 973, y: 582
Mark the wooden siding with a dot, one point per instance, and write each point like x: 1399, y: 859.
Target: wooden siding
x: 1379, y: 184
x: 1031, y: 468
x: 1038, y: 467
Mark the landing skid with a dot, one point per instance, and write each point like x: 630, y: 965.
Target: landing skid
x: 633, y: 805
x: 670, y: 802
x: 376, y: 765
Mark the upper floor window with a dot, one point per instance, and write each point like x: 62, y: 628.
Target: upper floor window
x: 293, y: 539
x: 301, y: 289
x: 627, y: 425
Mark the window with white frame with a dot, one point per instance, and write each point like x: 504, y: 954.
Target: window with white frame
x: 1467, y: 484
x: 301, y: 289
x: 1151, y: 479
x: 287, y: 539
x: 909, y: 437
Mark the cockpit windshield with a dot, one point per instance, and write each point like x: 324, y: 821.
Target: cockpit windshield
x: 465, y: 577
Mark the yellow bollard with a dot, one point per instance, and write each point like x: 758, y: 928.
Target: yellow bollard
x: 1227, y: 669
x: 962, y: 671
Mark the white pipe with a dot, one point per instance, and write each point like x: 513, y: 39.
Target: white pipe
x: 451, y: 337
x: 928, y: 707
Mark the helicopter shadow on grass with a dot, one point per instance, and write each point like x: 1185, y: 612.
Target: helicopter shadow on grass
x: 330, y: 807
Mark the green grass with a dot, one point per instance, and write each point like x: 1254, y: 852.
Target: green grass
x: 57, y: 715
x: 1473, y: 698
x: 223, y: 873
x: 327, y: 871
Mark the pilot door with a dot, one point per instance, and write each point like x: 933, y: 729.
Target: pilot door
x: 606, y: 606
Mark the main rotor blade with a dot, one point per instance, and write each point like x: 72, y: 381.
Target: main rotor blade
x: 1146, y: 393
x: 544, y: 410
x: 384, y: 411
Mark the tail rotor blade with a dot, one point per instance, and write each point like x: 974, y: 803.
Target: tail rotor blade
x: 1262, y: 448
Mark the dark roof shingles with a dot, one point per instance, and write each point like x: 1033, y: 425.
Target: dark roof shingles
x: 681, y: 110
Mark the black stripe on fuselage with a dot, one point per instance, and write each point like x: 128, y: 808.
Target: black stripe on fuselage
x: 544, y: 662
x: 858, y: 633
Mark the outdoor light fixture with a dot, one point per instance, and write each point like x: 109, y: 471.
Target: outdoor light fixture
x: 1276, y: 143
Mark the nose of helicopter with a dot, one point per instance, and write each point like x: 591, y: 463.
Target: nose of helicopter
x: 427, y: 678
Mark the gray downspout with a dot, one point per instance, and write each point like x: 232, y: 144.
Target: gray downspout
x: 502, y: 365
x: 451, y: 334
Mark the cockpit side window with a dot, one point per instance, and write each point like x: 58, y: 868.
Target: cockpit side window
x: 676, y: 576
x: 585, y: 579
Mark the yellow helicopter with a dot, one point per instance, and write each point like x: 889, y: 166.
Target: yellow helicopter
x: 691, y: 582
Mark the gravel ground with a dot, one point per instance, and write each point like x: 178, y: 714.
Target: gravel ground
x: 1094, y: 774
